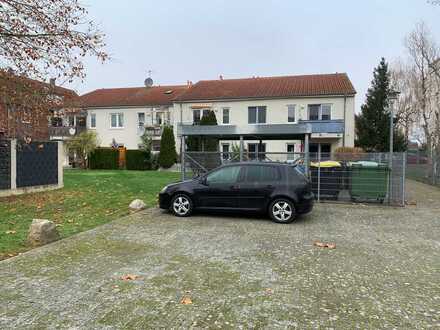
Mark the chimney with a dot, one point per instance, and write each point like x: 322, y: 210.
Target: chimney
x: 52, y: 82
x: 221, y: 77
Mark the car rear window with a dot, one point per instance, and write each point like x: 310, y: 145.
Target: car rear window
x: 257, y: 173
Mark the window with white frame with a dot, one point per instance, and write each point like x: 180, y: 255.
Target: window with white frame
x: 117, y: 120
x: 141, y: 119
x: 93, y: 120
x: 198, y: 114
x: 291, y: 113
x: 225, y: 115
x: 256, y: 149
x: 320, y: 111
x: 257, y: 115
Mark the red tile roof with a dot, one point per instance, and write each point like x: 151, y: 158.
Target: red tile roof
x: 135, y: 96
x: 267, y: 87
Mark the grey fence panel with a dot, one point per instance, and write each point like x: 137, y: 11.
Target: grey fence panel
x: 364, y: 177
x: 37, y: 164
x: 5, y: 164
x: 422, y: 168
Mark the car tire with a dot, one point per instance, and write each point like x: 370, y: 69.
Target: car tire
x: 282, y: 210
x: 181, y: 205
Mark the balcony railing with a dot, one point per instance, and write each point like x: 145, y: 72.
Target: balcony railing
x: 66, y: 131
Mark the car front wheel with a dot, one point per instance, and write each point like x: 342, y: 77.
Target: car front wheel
x: 282, y: 211
x: 181, y: 205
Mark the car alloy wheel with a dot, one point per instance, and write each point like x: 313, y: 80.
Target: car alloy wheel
x: 282, y: 211
x: 181, y: 205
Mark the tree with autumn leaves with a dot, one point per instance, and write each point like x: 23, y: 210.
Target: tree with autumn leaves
x: 41, y: 39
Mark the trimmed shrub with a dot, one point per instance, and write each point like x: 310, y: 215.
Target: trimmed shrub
x: 167, y: 154
x: 104, y: 159
x: 137, y: 160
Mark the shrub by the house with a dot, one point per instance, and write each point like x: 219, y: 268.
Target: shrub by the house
x: 167, y: 154
x: 104, y: 159
x: 138, y: 160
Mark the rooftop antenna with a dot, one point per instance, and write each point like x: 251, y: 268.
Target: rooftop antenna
x: 149, y: 82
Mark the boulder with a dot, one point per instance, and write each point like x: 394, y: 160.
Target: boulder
x: 42, y: 232
x: 137, y: 205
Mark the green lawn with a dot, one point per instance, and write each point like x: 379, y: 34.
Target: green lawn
x: 88, y: 199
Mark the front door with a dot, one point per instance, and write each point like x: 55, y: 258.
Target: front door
x: 221, y: 188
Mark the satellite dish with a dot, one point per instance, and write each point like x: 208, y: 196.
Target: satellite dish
x: 72, y: 131
x: 148, y: 82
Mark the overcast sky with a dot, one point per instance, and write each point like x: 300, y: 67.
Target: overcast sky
x: 193, y: 40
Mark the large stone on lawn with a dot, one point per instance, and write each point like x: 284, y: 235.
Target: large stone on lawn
x: 42, y: 232
x: 137, y: 205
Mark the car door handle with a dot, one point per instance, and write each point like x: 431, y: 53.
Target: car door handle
x: 233, y: 187
x: 269, y: 186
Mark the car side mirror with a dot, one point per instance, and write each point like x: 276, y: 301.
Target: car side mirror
x: 203, y: 181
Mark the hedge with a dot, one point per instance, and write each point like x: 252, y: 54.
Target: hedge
x: 104, y: 159
x: 137, y: 160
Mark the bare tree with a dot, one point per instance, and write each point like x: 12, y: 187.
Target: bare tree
x: 47, y: 37
x: 406, y: 112
x: 425, y: 81
x: 41, y: 39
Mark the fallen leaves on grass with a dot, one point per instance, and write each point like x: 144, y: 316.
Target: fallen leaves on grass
x: 129, y: 277
x: 186, y: 300
x: 10, y: 232
x: 324, y: 245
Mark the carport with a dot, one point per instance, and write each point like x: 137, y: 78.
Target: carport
x: 300, y: 131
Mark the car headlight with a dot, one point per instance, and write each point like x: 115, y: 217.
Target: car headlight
x: 164, y: 189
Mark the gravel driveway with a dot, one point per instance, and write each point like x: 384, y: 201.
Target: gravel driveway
x: 237, y: 272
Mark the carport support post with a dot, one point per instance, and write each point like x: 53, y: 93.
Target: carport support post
x: 306, y: 154
x: 241, y: 148
x: 182, y: 157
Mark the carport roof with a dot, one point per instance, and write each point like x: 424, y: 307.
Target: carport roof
x: 233, y: 132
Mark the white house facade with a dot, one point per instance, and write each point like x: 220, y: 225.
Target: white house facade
x: 120, y: 116
x: 326, y: 102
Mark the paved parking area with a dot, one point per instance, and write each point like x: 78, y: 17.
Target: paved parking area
x: 237, y: 271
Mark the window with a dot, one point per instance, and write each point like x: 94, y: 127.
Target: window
x: 257, y: 115
x: 314, y: 111
x: 141, y: 119
x: 320, y: 111
x: 71, y: 121
x: 290, y: 151
x: 93, y: 120
x: 291, y: 113
x: 225, y: 115
x: 159, y: 118
x: 199, y: 114
x: 226, y: 175
x: 326, y: 112
x: 196, y: 116
x: 253, y: 148
x: 117, y: 120
x: 262, y: 174
x: 225, y: 151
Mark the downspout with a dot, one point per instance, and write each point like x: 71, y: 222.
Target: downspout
x: 345, y: 117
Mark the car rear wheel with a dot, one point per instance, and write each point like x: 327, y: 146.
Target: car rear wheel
x: 181, y: 205
x: 282, y: 211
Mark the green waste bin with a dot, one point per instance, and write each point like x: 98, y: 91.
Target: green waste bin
x: 369, y: 181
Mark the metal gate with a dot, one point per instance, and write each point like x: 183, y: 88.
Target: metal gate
x: 360, y: 177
